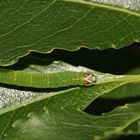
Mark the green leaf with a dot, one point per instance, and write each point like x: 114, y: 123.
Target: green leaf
x: 65, y: 124
x: 42, y: 26
x: 132, y: 129
x: 127, y: 91
x: 58, y: 115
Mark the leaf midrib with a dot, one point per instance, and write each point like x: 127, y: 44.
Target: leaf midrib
x: 105, y: 6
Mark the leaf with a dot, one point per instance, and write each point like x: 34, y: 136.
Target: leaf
x: 42, y: 26
x: 104, y: 83
x: 127, y: 91
x: 130, y: 4
x: 69, y: 125
x: 82, y: 126
x: 58, y: 114
x: 132, y: 129
x: 45, y: 79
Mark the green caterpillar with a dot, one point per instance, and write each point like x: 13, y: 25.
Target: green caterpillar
x: 46, y: 80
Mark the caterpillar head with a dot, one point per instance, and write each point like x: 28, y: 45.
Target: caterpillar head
x: 89, y: 78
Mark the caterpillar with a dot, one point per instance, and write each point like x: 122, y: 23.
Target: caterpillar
x: 46, y: 80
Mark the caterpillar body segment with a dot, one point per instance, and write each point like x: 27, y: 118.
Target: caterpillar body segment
x: 46, y: 80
